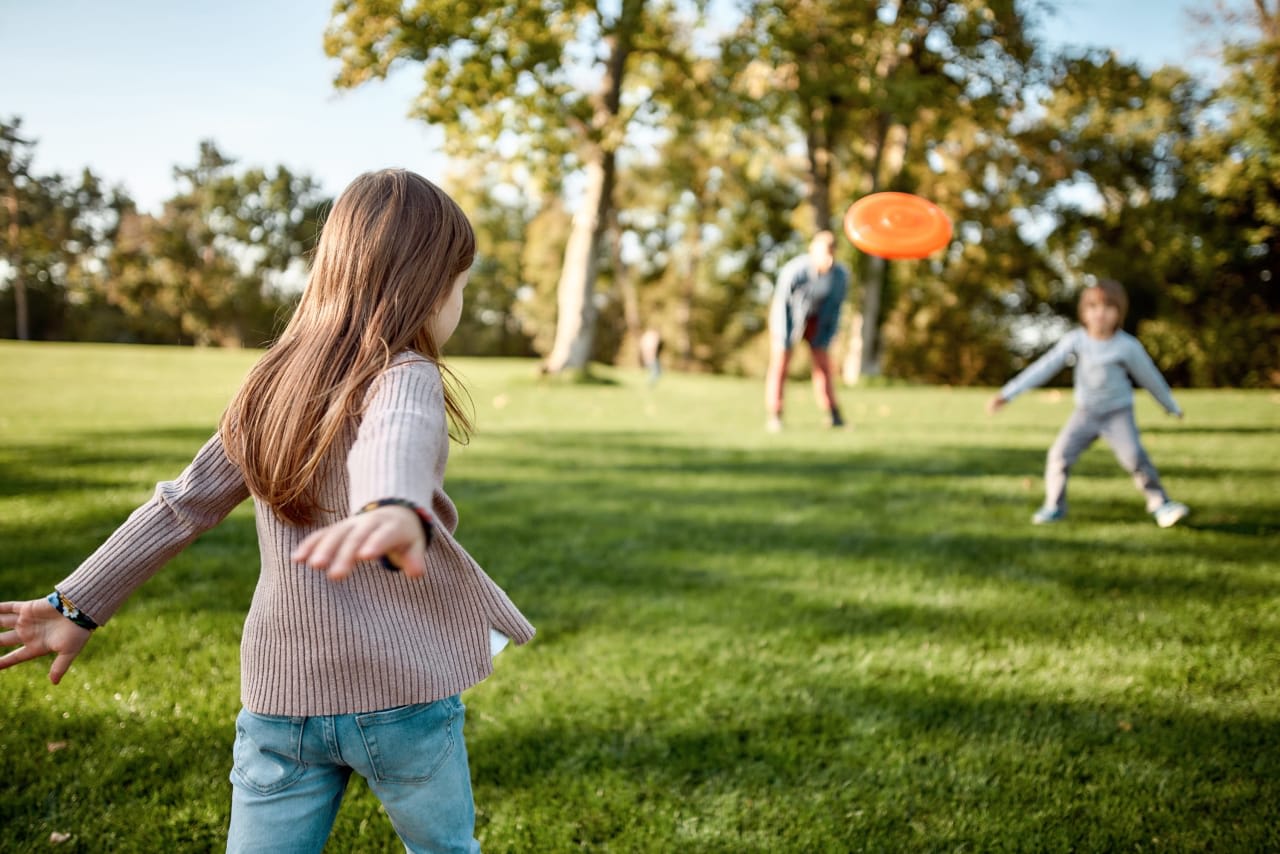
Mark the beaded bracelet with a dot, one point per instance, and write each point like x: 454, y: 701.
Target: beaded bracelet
x: 423, y: 516
x: 68, y: 609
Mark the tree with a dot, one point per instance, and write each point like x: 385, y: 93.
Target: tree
x: 491, y: 323
x: 865, y: 80
x: 212, y: 268
x: 707, y: 212
x: 1238, y: 167
x: 1173, y: 192
x: 52, y: 228
x: 545, y: 79
x: 950, y: 318
x: 15, y: 156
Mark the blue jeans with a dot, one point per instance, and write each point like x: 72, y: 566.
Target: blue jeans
x: 290, y: 774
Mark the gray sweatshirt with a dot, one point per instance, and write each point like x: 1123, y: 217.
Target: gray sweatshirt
x: 1105, y: 372
x: 311, y: 646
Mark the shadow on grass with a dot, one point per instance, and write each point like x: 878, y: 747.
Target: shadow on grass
x: 619, y: 488
x: 615, y: 533
x: 1069, y: 775
x: 1241, y: 529
x: 114, y: 782
x: 1209, y: 430
x: 620, y: 514
x: 95, y: 461
x: 95, y: 483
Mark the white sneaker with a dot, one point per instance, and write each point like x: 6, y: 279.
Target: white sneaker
x: 1170, y: 513
x: 1048, y: 515
x: 774, y: 424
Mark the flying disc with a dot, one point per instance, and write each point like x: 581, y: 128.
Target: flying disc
x: 897, y: 225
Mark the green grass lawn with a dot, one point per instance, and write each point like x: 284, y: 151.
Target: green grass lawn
x: 813, y: 641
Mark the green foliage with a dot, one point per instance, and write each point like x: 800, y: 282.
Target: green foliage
x: 1236, y: 321
x: 206, y: 270
x: 492, y: 323
x: 541, y: 257
x: 707, y: 214
x: 1185, y: 206
x: 812, y: 641
x: 213, y: 268
x: 489, y: 69
x: 551, y: 78
x: 901, y: 97
x: 946, y: 329
x: 52, y: 230
x: 718, y: 139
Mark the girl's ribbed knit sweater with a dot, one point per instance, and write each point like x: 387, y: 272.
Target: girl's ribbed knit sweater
x: 311, y: 646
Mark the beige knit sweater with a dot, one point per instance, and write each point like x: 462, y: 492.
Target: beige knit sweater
x: 315, y: 647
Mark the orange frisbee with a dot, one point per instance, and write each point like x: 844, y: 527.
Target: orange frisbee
x: 897, y: 225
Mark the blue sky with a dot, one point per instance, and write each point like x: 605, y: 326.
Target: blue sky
x: 130, y: 87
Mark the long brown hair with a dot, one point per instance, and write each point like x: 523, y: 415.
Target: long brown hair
x: 389, y: 253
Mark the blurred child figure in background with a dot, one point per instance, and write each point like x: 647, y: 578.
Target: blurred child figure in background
x: 806, y: 307
x: 1107, y: 362
x: 369, y: 618
x: 651, y: 354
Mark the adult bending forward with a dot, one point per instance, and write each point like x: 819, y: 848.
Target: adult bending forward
x: 806, y: 305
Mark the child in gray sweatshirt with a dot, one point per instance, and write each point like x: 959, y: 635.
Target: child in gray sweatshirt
x: 1108, y: 361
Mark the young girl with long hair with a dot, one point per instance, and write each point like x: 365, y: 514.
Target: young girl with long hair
x: 340, y: 435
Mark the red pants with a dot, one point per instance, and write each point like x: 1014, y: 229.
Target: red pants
x: 776, y: 379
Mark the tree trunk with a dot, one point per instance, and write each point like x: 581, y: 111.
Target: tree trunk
x: 575, y: 318
x: 575, y: 310
x: 626, y: 287
x: 23, y: 319
x: 820, y: 161
x: 687, y: 262
x: 863, y: 356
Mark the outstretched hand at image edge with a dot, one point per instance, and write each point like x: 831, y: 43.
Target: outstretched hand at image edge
x: 38, y: 629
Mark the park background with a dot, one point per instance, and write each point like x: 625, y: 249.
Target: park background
x: 651, y: 164
x: 821, y: 641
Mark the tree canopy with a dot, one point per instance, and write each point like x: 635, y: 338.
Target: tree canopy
x: 651, y: 163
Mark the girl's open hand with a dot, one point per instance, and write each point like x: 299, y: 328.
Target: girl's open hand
x: 995, y: 404
x: 40, y: 629
x: 392, y: 531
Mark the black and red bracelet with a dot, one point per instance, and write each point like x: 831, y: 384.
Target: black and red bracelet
x: 423, y: 516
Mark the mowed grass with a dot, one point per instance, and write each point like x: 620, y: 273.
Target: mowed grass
x: 814, y: 641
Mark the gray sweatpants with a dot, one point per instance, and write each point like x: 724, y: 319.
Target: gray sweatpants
x: 1120, y: 432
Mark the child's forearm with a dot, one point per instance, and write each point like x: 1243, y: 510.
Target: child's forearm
x: 179, y: 511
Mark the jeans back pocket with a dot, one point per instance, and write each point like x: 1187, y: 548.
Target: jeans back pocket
x: 268, y: 752
x: 409, y: 744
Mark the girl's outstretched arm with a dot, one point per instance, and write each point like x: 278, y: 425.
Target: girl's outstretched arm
x: 40, y: 629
